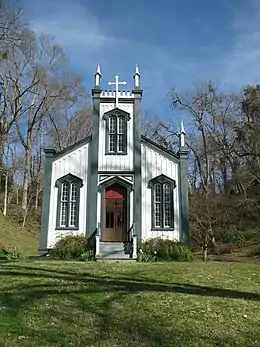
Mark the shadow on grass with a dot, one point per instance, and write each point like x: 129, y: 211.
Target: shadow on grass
x: 99, y: 297
x: 122, y: 283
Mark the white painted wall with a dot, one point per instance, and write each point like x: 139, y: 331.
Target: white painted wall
x: 115, y: 162
x: 153, y: 165
x: 76, y: 163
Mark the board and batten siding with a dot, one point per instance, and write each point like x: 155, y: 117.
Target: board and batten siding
x: 75, y: 163
x: 153, y: 165
x: 115, y: 162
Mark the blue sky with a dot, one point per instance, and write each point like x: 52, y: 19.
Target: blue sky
x: 176, y: 43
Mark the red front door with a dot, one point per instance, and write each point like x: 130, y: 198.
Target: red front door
x: 115, y: 218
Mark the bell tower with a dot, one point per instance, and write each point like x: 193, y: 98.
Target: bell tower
x: 115, y: 147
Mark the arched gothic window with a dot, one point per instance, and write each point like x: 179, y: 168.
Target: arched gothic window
x: 116, y: 133
x: 162, y: 202
x: 68, y: 202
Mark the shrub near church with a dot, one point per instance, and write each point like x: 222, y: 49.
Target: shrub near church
x: 72, y: 247
x: 158, y: 249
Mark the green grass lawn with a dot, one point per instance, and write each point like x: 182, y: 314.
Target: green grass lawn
x: 47, y: 303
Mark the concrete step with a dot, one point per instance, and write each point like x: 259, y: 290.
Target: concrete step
x: 113, y: 250
x: 114, y: 260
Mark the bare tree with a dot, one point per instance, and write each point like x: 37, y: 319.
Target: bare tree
x: 158, y: 131
x: 11, y: 32
x: 36, y: 93
x: 10, y: 23
x: 71, y: 128
x: 212, y: 117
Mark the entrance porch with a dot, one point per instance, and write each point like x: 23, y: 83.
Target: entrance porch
x: 115, y: 237
x: 115, y: 217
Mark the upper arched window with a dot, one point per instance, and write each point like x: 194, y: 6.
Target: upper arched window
x: 116, y: 134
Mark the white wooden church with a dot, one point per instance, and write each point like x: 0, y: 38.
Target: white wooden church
x: 116, y: 185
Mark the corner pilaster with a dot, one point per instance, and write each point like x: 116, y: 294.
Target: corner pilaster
x: 137, y: 213
x: 93, y: 165
x: 184, y: 194
x: 49, y: 156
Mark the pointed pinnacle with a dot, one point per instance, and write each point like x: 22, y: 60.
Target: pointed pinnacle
x: 98, y: 70
x: 137, y: 70
x: 182, y: 131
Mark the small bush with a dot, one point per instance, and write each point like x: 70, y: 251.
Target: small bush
x: 71, y: 247
x: 254, y: 252
x: 224, y: 248
x: 15, y: 256
x: 87, y: 256
x: 3, y: 254
x: 11, y: 255
x: 158, y: 249
x: 145, y: 257
x: 232, y: 235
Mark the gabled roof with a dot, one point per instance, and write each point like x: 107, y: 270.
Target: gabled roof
x: 116, y: 112
x: 162, y: 179
x: 71, y: 148
x: 88, y: 139
x: 159, y: 147
x: 69, y: 177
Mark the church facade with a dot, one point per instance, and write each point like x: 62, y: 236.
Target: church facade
x: 116, y: 185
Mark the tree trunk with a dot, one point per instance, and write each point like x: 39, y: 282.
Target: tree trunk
x: 6, y: 193
x: 205, y: 252
x: 1, y: 158
x: 25, y: 212
x: 36, y: 198
x: 26, y: 177
x: 2, y: 146
x: 213, y: 241
x: 17, y: 195
x: 10, y: 197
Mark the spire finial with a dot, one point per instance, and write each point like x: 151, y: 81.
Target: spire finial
x: 97, y: 77
x: 136, y: 77
x: 182, y: 134
x: 182, y: 128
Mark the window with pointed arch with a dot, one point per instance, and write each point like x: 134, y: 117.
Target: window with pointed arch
x: 162, y: 202
x: 68, y: 202
x: 116, y: 133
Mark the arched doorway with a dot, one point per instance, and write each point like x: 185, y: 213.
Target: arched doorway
x: 115, y: 214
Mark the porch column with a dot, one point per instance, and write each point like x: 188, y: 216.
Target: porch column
x: 137, y: 208
x: 134, y: 244
x: 92, y: 183
x: 98, y: 240
x: 184, y: 195
x: 49, y: 156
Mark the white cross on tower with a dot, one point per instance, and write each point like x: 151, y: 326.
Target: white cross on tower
x: 117, y: 83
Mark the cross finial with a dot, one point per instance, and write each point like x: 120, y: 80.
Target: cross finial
x: 117, y: 83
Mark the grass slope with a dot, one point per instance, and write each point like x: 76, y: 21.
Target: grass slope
x: 13, y: 236
x: 47, y: 303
